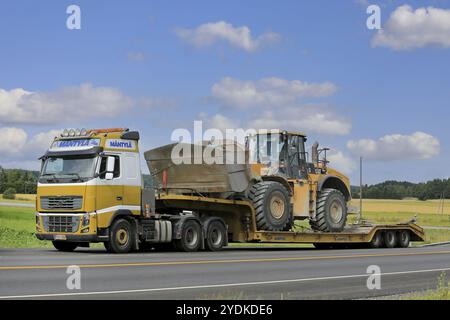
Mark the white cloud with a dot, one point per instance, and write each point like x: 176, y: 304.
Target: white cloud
x: 308, y: 118
x: 240, y: 37
x: 342, y: 162
x: 418, y: 145
x: 408, y: 28
x: 218, y: 121
x: 13, y: 141
x: 17, y: 145
x: 267, y: 92
x: 19, y: 106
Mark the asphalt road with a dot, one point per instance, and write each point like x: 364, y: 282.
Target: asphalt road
x: 16, y: 204
x: 231, y: 274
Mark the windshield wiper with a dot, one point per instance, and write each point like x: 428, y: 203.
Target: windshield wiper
x: 52, y: 175
x: 73, y: 174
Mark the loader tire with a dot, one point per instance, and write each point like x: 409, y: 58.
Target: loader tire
x: 272, y: 206
x: 331, y: 211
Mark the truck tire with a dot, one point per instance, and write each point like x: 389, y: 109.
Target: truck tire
x: 377, y: 240
x: 331, y: 211
x: 65, y: 246
x: 215, y: 236
x: 404, y: 238
x: 272, y: 206
x: 390, y: 239
x: 191, y: 237
x: 121, y: 237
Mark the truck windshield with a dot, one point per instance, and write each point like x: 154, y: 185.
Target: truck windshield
x: 66, y: 169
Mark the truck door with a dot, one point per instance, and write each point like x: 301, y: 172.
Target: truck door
x: 109, y: 195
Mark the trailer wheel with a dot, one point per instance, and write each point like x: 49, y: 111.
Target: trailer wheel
x: 272, y: 206
x: 390, y: 239
x: 190, y: 237
x: 121, y: 237
x: 331, y: 211
x: 404, y: 238
x: 377, y: 240
x: 215, y: 236
x: 65, y: 246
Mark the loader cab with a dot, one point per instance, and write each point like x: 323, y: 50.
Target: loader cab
x: 278, y: 153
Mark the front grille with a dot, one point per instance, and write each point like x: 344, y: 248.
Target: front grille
x: 62, y: 203
x: 61, y: 223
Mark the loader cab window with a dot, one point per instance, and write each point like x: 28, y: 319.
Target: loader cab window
x: 103, y: 167
x: 265, y: 149
x: 296, y: 157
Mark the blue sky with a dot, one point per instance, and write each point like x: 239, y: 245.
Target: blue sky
x: 148, y: 65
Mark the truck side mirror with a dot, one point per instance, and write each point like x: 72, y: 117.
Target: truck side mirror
x: 110, y: 163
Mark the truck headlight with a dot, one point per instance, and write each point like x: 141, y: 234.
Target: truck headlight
x: 86, y: 220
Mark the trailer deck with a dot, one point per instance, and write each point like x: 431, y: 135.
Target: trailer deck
x: 240, y: 218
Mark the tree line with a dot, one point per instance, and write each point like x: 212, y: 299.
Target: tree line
x: 24, y: 181
x: 433, y: 189
x: 21, y: 181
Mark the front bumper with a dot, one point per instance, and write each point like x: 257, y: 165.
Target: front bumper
x: 70, y: 237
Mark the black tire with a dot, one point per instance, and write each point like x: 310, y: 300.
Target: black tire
x: 272, y: 206
x: 322, y: 246
x: 331, y: 211
x: 65, y: 246
x: 121, y: 237
x: 390, y: 239
x: 216, y: 235
x: 377, y: 241
x: 404, y: 238
x: 191, y: 237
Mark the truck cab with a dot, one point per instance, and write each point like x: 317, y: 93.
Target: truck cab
x: 87, y: 179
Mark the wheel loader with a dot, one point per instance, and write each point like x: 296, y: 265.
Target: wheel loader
x: 276, y: 177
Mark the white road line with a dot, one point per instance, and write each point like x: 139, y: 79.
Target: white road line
x: 49, y: 295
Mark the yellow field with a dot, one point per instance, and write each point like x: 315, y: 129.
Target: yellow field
x: 404, y: 206
x: 20, y: 198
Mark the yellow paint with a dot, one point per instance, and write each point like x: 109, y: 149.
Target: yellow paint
x: 301, y: 199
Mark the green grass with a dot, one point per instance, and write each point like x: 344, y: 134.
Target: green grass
x: 424, y: 219
x: 442, y: 291
x: 17, y: 227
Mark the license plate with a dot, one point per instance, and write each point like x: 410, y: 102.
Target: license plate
x: 60, y: 237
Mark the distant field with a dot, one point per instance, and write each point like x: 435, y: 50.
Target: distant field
x: 404, y: 206
x: 25, y: 198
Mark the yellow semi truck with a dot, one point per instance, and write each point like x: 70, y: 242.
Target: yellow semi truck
x: 91, y: 190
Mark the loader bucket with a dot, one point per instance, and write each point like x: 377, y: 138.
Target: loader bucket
x: 185, y: 168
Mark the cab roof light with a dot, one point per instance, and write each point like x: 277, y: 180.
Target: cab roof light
x: 75, y: 133
x: 108, y: 130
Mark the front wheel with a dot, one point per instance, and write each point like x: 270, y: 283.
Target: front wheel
x: 331, y: 212
x: 65, y: 246
x: 121, y: 237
